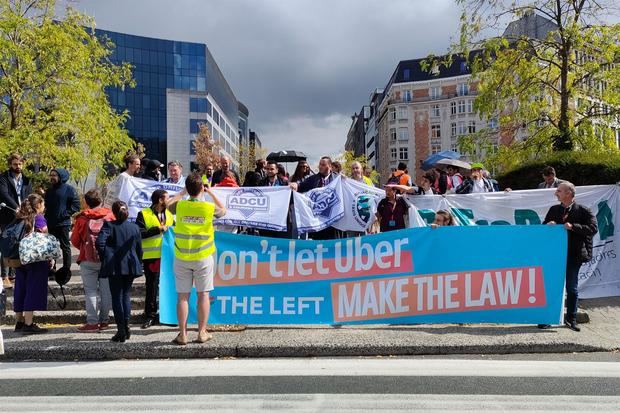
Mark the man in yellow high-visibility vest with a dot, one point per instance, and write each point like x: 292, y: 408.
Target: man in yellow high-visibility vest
x: 153, y: 223
x: 194, y: 250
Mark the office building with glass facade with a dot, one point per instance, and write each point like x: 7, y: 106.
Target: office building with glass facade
x: 178, y: 85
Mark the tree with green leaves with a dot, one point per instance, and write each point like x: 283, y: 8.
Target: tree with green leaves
x: 348, y: 157
x: 248, y: 155
x: 53, y: 75
x: 552, y: 78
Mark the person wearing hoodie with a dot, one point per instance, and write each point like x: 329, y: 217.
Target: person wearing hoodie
x: 87, y: 226
x: 61, y: 202
x: 152, y: 171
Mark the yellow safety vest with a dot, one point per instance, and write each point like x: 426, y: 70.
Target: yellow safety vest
x: 151, y: 247
x: 194, y: 230
x: 205, y: 181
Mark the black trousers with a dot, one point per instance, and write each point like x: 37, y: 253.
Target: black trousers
x: 62, y: 234
x: 152, y: 290
x: 6, y: 271
x: 120, y: 287
x: 572, y: 283
x: 324, y: 234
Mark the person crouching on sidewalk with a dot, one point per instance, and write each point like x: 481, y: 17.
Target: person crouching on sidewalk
x: 194, y: 250
x: 119, y: 245
x: 86, y: 229
x: 153, y: 223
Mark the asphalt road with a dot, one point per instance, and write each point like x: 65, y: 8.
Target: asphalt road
x: 343, y: 384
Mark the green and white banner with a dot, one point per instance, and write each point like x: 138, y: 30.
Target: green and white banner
x: 598, y: 278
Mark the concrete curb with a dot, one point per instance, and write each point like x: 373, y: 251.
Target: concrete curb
x: 64, y: 344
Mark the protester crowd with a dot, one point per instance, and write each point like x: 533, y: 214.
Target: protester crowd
x: 114, y: 251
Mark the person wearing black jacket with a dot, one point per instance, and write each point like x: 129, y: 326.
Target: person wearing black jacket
x: 153, y: 223
x: 61, y: 202
x: 224, y: 171
x: 273, y: 179
x: 319, y: 180
x: 120, y: 249
x: 581, y: 225
x: 254, y: 178
x: 14, y: 188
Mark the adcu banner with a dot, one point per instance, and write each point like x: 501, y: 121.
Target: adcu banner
x: 264, y: 207
x: 598, y: 278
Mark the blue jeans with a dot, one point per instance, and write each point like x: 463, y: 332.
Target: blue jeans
x: 572, y: 282
x: 120, y: 287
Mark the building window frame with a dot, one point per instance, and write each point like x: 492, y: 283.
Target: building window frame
x: 403, y: 112
x: 462, y: 89
x: 392, y: 134
x: 471, y: 127
x: 403, y: 153
x: 403, y: 134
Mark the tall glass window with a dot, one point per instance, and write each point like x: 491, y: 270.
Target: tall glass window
x: 198, y: 105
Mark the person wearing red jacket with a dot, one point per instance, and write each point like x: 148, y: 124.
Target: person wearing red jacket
x: 87, y: 225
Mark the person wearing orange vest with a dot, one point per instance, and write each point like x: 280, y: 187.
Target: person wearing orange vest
x: 153, y: 223
x: 194, y: 250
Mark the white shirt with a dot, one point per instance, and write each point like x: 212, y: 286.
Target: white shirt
x: 478, y: 186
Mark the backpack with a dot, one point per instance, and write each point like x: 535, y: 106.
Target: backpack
x: 93, y: 227
x: 393, y: 180
x: 9, y: 243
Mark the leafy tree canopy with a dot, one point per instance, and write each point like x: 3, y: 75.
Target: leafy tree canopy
x: 553, y: 77
x: 53, y: 76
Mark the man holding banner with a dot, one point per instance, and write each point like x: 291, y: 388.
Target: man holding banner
x: 581, y: 226
x: 194, y: 250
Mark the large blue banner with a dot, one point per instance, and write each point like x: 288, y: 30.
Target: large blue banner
x: 495, y: 274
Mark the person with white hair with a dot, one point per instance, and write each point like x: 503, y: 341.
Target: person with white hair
x: 224, y: 171
x: 581, y: 225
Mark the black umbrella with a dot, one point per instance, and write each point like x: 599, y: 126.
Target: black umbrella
x: 287, y: 156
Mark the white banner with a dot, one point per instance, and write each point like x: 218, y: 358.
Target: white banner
x: 360, y: 205
x: 598, y: 278
x: 257, y: 207
x: 319, y: 208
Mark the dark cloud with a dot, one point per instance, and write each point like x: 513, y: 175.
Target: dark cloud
x: 294, y: 62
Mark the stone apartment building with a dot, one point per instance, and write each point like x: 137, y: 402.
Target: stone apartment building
x: 421, y: 112
x: 425, y: 112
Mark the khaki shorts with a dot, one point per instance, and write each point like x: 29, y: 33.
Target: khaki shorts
x: 194, y: 273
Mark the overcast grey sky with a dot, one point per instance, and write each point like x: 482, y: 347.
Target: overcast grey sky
x: 301, y: 66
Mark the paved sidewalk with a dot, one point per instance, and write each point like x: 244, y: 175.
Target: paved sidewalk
x: 64, y: 343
